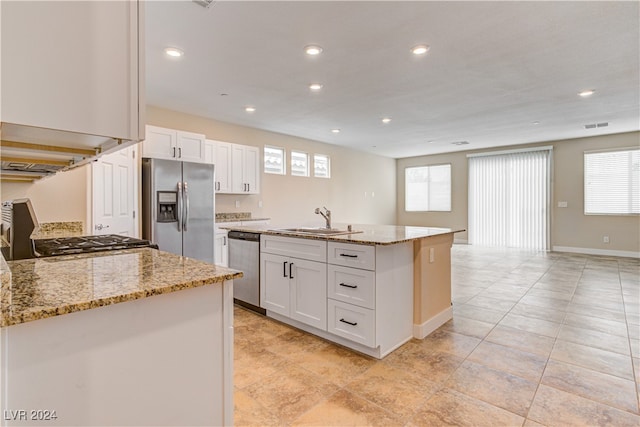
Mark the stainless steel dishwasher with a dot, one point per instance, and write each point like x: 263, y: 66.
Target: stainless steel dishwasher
x: 244, y: 255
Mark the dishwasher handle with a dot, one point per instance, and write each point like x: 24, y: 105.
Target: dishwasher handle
x: 242, y: 235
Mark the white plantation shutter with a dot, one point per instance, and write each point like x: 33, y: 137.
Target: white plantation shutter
x: 509, y: 199
x: 612, y: 182
x: 428, y: 188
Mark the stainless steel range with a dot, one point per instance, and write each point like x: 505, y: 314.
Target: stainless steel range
x: 84, y: 244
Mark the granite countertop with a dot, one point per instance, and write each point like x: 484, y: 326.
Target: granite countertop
x: 363, y: 234
x: 38, y: 288
x: 236, y: 216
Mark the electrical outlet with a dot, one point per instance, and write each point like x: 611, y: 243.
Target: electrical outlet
x: 562, y: 204
x: 259, y: 203
x: 605, y: 239
x: 237, y: 203
x: 432, y: 254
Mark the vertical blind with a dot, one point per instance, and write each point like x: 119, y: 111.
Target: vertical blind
x: 612, y: 182
x: 509, y: 199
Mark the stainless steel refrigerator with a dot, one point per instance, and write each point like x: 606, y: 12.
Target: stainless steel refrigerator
x: 178, y: 207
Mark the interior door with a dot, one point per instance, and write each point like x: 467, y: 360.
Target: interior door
x: 114, y: 193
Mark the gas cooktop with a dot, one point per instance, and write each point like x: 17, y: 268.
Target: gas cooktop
x: 84, y: 244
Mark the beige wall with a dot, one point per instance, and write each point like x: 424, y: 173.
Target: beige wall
x: 361, y: 189
x: 62, y: 197
x: 570, y: 227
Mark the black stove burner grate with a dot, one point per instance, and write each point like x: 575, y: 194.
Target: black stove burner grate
x: 84, y: 244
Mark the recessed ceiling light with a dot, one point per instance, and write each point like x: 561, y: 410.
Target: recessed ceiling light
x: 386, y: 120
x: 315, y: 87
x: 173, y: 52
x: 249, y: 109
x: 586, y: 93
x: 335, y: 130
x: 536, y: 122
x: 421, y: 49
x: 460, y: 143
x: 313, y: 50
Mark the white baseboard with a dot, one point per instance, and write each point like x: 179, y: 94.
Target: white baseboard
x: 460, y: 241
x: 421, y: 331
x: 592, y: 251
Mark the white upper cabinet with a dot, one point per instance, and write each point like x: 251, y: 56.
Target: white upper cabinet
x: 222, y: 161
x: 245, y: 167
x: 74, y: 66
x: 170, y: 144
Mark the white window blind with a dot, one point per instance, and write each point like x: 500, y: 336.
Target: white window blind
x: 299, y: 164
x: 509, y: 200
x: 274, y: 160
x: 427, y: 188
x: 321, y: 166
x: 612, y: 182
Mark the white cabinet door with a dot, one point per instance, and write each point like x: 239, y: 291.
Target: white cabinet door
x: 210, y: 152
x: 190, y: 147
x: 221, y: 249
x: 74, y: 66
x: 160, y: 143
x: 237, y: 169
x: 251, y: 169
x: 308, y: 292
x: 274, y: 283
x: 223, y: 166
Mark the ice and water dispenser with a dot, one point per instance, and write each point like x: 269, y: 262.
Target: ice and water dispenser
x: 167, y: 206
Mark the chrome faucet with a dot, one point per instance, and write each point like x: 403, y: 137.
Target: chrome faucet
x: 327, y: 216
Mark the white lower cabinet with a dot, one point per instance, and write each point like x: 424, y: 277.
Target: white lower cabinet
x: 295, y: 288
x: 360, y: 296
x: 221, y: 248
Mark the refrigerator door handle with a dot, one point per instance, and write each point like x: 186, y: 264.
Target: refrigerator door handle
x: 179, y: 212
x: 186, y: 207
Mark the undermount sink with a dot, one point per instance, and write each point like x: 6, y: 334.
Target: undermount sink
x: 317, y: 231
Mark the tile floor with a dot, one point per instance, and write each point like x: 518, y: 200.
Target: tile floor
x: 536, y: 339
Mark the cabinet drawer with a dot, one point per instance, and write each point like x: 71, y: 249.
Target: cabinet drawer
x: 352, y: 285
x: 313, y: 250
x: 352, y: 322
x: 350, y: 255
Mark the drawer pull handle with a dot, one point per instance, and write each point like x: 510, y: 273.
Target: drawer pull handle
x: 284, y: 269
x: 349, y: 323
x: 348, y: 286
x: 290, y: 273
x: 349, y: 255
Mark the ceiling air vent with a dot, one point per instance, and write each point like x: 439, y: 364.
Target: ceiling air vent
x: 460, y: 143
x: 596, y: 125
x: 205, y: 3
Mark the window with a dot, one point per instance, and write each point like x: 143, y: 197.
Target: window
x: 274, y: 160
x: 428, y: 188
x: 299, y: 164
x: 612, y: 182
x: 321, y: 166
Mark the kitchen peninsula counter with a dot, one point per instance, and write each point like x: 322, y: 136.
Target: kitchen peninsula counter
x: 38, y: 288
x: 129, y: 337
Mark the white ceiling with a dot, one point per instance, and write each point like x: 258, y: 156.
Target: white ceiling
x: 494, y: 69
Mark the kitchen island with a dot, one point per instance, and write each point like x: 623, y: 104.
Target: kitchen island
x: 371, y: 290
x: 83, y: 342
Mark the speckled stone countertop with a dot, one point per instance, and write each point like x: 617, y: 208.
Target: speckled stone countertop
x: 236, y: 216
x: 38, y: 288
x: 363, y: 234
x: 49, y: 230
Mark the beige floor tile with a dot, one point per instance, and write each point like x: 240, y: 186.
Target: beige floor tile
x: 537, y: 312
x: 553, y: 407
x: 537, y: 326
x: 521, y: 340
x: 496, y: 387
x: 450, y: 342
x: 553, y: 294
x: 346, y: 409
x: 603, y: 388
x: 249, y: 412
x: 636, y: 370
x: 602, y: 313
x: 253, y: 365
x: 470, y: 327
x: 526, y: 365
x: 336, y: 364
x: 293, y: 343
x: 434, y: 366
x: 603, y: 361
x: 598, y: 302
x: 531, y: 423
x: 451, y: 408
x: 596, y: 324
x: 494, y: 304
x: 545, y: 302
x: 398, y: 391
x: 593, y: 338
x: 291, y: 392
x: 477, y: 313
